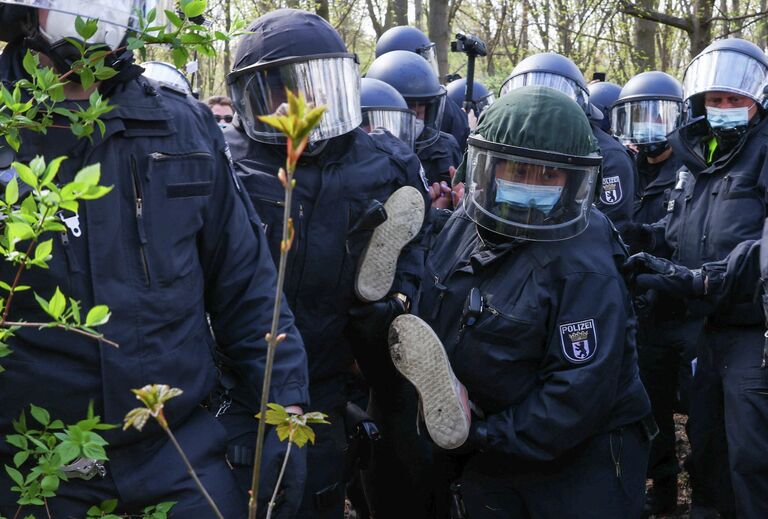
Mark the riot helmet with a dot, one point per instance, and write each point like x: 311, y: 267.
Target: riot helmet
x: 481, y: 96
x: 551, y: 70
x: 411, y: 39
x: 602, y: 95
x: 418, y: 84
x: 648, y: 109
x: 384, y: 107
x: 531, y: 166
x: 167, y: 74
x: 732, y: 67
x: 299, y: 51
x: 116, y: 20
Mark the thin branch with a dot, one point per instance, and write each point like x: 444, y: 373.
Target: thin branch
x: 271, y: 505
x: 94, y: 336
x: 655, y: 16
x: 736, y: 18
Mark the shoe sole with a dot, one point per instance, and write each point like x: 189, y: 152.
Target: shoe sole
x: 420, y: 357
x: 376, y: 272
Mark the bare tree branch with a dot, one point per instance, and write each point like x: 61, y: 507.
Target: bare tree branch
x: 655, y: 16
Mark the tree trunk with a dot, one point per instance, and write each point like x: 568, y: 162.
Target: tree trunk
x: 227, y: 46
x: 418, y: 14
x: 323, y: 9
x: 701, y: 36
x: 439, y: 32
x: 762, y: 27
x: 401, y: 12
x: 645, y: 39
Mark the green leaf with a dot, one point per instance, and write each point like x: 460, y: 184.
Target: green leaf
x: 12, y: 192
x: 20, y: 457
x: 20, y: 230
x: 180, y: 56
x: 75, y: 306
x: 89, y: 175
x: 25, y: 174
x: 40, y: 414
x: 57, y: 304
x: 68, y: 451
x: 30, y: 63
x: 86, y: 29
x: 193, y: 8
x: 174, y: 18
x: 97, y: 315
x: 43, y: 250
x: 15, y: 475
x: 108, y: 506
x: 50, y: 483
x: 51, y: 170
x: 87, y: 78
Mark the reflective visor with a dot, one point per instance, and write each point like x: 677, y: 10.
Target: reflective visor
x: 429, y: 54
x: 547, y: 79
x: 430, y: 111
x: 484, y: 102
x: 725, y: 71
x: 528, y: 197
x: 644, y: 122
x: 399, y: 123
x: 330, y: 80
x: 168, y: 75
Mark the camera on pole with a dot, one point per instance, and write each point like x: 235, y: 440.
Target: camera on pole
x: 473, y: 47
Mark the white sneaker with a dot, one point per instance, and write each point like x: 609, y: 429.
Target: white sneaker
x: 376, y: 272
x: 420, y: 357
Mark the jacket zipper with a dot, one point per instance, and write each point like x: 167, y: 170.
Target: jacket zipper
x: 137, y: 195
x: 160, y: 156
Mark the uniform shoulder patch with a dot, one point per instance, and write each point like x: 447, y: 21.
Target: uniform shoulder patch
x: 611, y: 193
x: 579, y: 340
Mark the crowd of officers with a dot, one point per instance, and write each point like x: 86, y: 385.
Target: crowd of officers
x: 521, y: 291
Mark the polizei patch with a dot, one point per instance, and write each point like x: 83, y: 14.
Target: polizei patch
x: 579, y: 340
x: 611, y: 191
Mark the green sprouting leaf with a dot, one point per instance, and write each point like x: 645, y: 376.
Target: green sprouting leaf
x: 19, y: 230
x: 86, y: 29
x: 12, y: 192
x: 180, y: 56
x: 51, y: 170
x: 87, y: 78
x: 20, y: 457
x: 89, y: 175
x: 15, y: 475
x: 40, y: 414
x: 67, y: 451
x: 75, y: 306
x: 30, y: 63
x: 25, y: 174
x: 50, y: 483
x: 57, y: 304
x: 43, y: 251
x: 97, y: 316
x: 193, y: 8
x: 174, y: 18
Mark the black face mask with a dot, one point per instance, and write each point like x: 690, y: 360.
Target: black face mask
x: 653, y: 150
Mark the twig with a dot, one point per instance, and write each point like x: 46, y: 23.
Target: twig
x: 191, y: 471
x: 94, y: 336
x: 271, y: 347
x: 271, y: 504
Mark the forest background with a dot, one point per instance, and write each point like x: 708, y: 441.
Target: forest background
x: 618, y: 37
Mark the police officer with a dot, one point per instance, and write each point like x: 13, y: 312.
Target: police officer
x: 523, y: 290
x: 648, y: 108
x: 412, y: 39
x: 418, y: 84
x: 482, y: 98
x: 721, y: 202
x: 383, y: 107
x: 173, y: 242
x: 342, y: 201
x: 619, y: 177
x: 602, y: 95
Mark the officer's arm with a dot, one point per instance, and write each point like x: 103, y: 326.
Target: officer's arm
x: 578, y: 376
x: 240, y: 292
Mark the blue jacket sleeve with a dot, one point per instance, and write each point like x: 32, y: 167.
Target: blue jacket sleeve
x: 240, y: 293
x: 574, y: 397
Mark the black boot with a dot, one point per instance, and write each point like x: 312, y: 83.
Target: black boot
x: 661, y: 498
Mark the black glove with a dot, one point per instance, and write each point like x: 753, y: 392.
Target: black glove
x: 638, y: 236
x: 292, y: 486
x: 652, y: 273
x: 372, y: 320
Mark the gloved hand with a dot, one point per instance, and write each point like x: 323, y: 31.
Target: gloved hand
x: 638, y: 236
x: 652, y: 273
x: 291, y: 490
x: 373, y: 319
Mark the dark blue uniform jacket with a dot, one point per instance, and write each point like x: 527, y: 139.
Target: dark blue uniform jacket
x: 721, y: 204
x: 174, y: 240
x: 551, y: 359
x: 438, y: 157
x: 619, y: 178
x: 656, y: 182
x: 333, y: 191
x: 455, y: 123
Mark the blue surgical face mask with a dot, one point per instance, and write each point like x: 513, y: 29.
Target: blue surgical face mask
x: 727, y: 118
x: 649, y: 132
x: 527, y: 196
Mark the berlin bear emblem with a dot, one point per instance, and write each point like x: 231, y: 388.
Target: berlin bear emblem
x: 611, y: 194
x: 579, y: 340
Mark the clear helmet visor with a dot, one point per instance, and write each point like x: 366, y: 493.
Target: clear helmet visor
x: 484, y: 102
x: 116, y: 17
x: 429, y: 118
x: 400, y: 123
x: 332, y: 81
x: 167, y: 74
x: 725, y: 71
x: 528, y: 198
x: 547, y: 79
x: 646, y: 121
x: 429, y: 54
